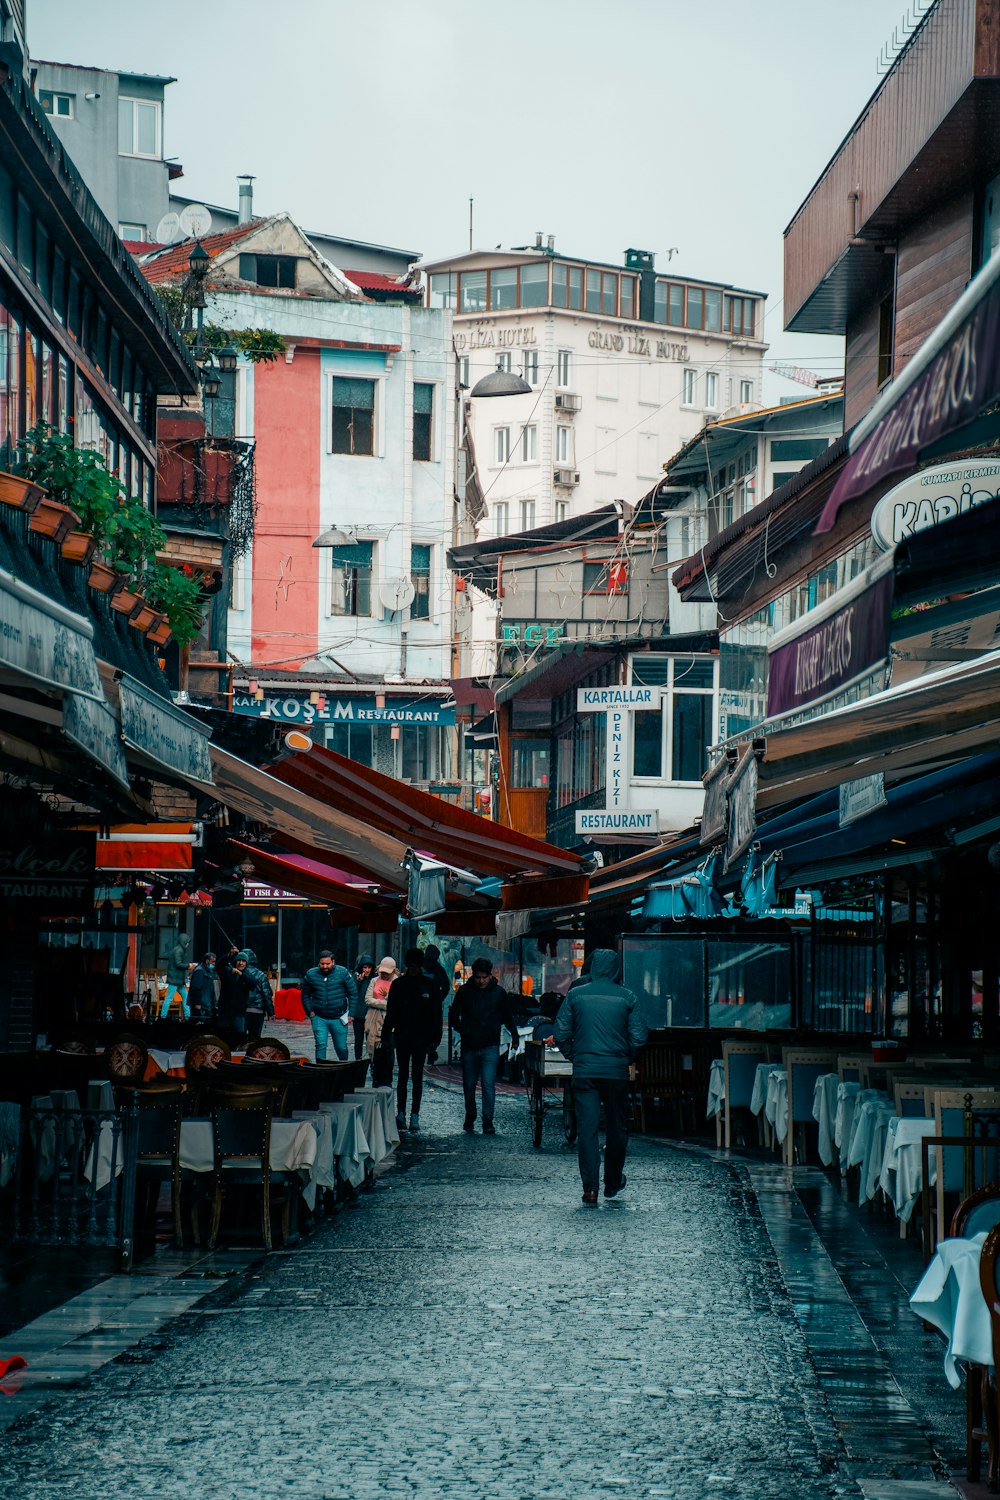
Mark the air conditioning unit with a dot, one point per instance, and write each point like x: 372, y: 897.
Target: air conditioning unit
x: 567, y: 477
x: 566, y: 401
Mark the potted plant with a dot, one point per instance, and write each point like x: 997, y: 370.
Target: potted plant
x: 104, y: 578
x: 19, y: 492
x: 79, y: 547
x: 53, y: 519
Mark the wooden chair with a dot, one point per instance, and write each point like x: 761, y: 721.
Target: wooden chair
x: 268, y: 1049
x: 956, y: 1169
x: 803, y: 1069
x: 740, y: 1061
x: 125, y: 1061
x: 205, y: 1052
x: 241, y: 1142
x: 989, y: 1390
x: 158, y: 1149
x: 850, y: 1066
x: 908, y: 1096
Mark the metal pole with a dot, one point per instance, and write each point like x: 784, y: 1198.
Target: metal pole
x: 279, y: 948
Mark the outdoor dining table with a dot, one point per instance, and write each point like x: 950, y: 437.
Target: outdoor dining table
x: 776, y: 1103
x: 825, y: 1113
x: 950, y: 1297
x: 716, y: 1089
x: 383, y: 1102
x: 901, y: 1178
x: 350, y: 1144
x: 324, y: 1167
x: 294, y: 1145
x: 867, y: 1148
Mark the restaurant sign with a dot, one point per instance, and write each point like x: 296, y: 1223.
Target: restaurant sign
x: 93, y: 727
x: 297, y: 709
x: 162, y: 732
x: 860, y: 797
x: 934, y: 495
x: 53, y: 873
x: 44, y: 641
x: 741, y: 796
x: 617, y: 820
x: 715, y: 811
x: 832, y: 646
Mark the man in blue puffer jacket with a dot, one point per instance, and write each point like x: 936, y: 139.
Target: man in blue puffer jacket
x: 328, y: 992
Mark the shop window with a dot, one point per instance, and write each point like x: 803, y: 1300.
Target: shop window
x: 353, y: 424
x: 423, y: 414
x: 351, y: 581
x: 351, y: 740
x: 530, y: 763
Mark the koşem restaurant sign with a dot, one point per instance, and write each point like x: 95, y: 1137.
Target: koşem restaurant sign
x: 934, y: 495
x: 831, y: 647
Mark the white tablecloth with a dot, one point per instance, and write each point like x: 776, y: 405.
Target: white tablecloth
x: 950, y: 1297
x: 867, y: 1149
x: 324, y: 1168
x: 385, y: 1101
x: 293, y: 1145
x: 843, y: 1125
x: 165, y: 1060
x: 350, y: 1144
x: 825, y: 1113
x: 716, y: 1089
x: 776, y: 1103
x: 901, y: 1178
x: 759, y: 1096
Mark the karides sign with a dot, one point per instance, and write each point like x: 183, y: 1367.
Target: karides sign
x: 932, y: 496
x: 51, y: 872
x: 960, y: 380
x: 836, y: 650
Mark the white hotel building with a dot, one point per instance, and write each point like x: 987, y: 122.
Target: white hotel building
x: 625, y: 365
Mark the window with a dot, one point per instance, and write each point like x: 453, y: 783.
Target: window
x: 660, y: 302
x: 60, y: 106
x: 527, y: 514
x: 501, y: 513
x: 529, y: 444
x: 711, y: 390
x: 133, y: 232
x: 420, y: 573
x: 886, y: 338
x: 504, y: 361
x: 593, y: 301
x: 534, y: 286
x: 268, y: 270
x: 738, y: 316
x: 647, y: 743
x: 564, y: 445
x: 605, y: 578
x: 138, y: 127
x: 530, y: 366
x: 472, y: 291
x: 530, y: 763
x: 351, y: 740
x: 713, y: 311
x: 687, y: 722
x: 503, y: 288
x: 501, y: 445
x: 675, y: 309
x: 567, y: 286
x: 746, y: 391
x: 464, y: 372
x: 695, y: 307
x: 423, y: 412
x: 443, y: 290
x: 562, y: 510
x: 629, y: 308
x: 689, y: 387
x: 351, y: 583
x: 562, y: 367
x: 238, y: 582
x: 353, y: 426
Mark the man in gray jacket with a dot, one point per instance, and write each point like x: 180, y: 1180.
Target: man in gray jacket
x: 600, y: 1028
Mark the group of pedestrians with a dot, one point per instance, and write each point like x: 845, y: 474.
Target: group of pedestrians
x: 232, y: 992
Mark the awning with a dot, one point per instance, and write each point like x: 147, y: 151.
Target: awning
x: 149, y: 847
x: 428, y: 823
x: 162, y: 736
x: 313, y: 878
x: 952, y: 377
x: 308, y: 824
x: 46, y: 643
x: 928, y: 721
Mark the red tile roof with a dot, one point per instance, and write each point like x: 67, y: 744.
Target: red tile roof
x: 141, y: 247
x: 173, y: 261
x: 375, y: 281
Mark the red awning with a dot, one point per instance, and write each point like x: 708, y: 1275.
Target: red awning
x: 428, y: 823
x: 312, y: 878
x: 146, y: 847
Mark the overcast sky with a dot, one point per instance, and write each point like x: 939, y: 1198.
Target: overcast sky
x: 660, y: 124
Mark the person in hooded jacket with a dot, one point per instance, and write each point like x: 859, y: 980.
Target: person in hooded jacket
x: 364, y: 968
x: 600, y: 1029
x: 234, y: 996
x: 260, y: 1003
x: 413, y: 1021
x: 479, y: 1009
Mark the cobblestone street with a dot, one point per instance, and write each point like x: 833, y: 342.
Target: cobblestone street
x: 469, y: 1329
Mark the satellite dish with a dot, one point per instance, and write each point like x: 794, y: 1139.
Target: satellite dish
x: 396, y: 593
x: 169, y: 230
x: 195, y: 220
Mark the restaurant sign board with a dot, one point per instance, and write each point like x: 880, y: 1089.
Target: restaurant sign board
x: 741, y: 796
x: 94, y: 727
x: 860, y: 797
x: 930, y: 496
x: 162, y: 732
x: 715, y: 812
x: 292, y: 708
x: 45, y: 641
x: 832, y: 646
x: 53, y: 873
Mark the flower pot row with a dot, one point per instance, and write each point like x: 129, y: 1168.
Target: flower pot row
x: 60, y: 524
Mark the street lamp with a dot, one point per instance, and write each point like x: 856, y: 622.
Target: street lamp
x: 333, y: 537
x: 501, y: 383
x: 228, y: 359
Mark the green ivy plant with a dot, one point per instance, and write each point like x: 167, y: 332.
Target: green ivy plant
x: 128, y: 536
x: 258, y: 345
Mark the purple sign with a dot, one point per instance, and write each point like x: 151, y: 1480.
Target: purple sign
x: 959, y: 382
x: 842, y: 646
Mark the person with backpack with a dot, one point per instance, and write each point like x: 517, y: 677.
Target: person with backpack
x: 376, y: 1000
x: 413, y: 1021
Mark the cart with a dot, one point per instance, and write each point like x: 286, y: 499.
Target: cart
x: 544, y: 1066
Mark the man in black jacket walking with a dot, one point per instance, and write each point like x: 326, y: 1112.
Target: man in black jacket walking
x: 413, y: 1019
x: 479, y: 1009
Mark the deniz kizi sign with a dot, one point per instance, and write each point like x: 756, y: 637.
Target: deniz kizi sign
x: 932, y: 496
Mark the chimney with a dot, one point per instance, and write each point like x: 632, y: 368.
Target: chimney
x: 551, y: 243
x: 246, y: 198
x: 538, y: 239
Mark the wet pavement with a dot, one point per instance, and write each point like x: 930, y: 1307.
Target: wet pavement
x: 470, y: 1329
